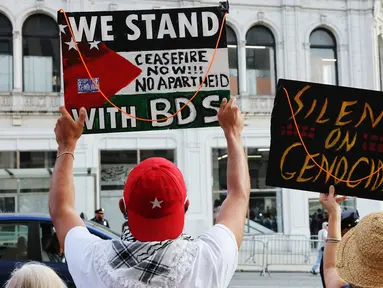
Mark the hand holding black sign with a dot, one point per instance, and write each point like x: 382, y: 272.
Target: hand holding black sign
x: 338, y: 141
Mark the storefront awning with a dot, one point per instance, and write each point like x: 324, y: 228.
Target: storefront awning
x: 42, y: 172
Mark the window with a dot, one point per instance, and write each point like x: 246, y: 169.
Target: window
x: 38, y: 159
x: 233, y: 61
x: 9, y: 186
x: 8, y: 159
x: 25, y: 194
x: 6, y: 52
x: 323, y: 57
x: 27, y: 159
x: 260, y: 61
x: 50, y: 246
x: 115, y: 166
x: 13, y: 241
x: 318, y: 214
x: 265, y: 205
x: 167, y: 154
x: 7, y: 204
x: 41, y: 54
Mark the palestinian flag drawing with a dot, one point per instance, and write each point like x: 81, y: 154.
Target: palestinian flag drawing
x: 149, y: 63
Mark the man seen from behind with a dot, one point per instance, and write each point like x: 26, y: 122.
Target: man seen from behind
x: 153, y: 251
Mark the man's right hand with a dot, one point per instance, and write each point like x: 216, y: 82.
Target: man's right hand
x: 69, y: 131
x: 230, y: 118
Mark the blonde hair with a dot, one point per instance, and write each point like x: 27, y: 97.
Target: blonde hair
x: 34, y: 275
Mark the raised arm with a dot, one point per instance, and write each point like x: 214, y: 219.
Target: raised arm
x: 61, y: 195
x: 330, y: 202
x: 233, y: 211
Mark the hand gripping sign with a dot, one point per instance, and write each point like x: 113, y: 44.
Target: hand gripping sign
x: 145, y: 70
x: 324, y: 135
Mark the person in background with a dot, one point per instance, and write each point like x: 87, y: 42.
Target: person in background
x: 356, y: 260
x: 322, y: 236
x: 349, y: 219
x: 99, y: 218
x: 267, y: 222
x: 51, y: 249
x: 34, y: 275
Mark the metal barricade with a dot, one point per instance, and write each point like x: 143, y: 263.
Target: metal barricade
x: 251, y: 255
x: 289, y: 252
x: 277, y: 236
x: 282, y: 252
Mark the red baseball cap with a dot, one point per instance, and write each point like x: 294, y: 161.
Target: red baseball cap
x: 155, y: 196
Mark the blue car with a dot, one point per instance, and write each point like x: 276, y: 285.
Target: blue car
x: 32, y: 237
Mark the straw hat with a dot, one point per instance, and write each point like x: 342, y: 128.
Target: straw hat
x: 359, y: 257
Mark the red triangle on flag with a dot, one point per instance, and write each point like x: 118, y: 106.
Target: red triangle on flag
x: 111, y: 72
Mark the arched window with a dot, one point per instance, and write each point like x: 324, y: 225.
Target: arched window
x: 41, y: 51
x: 323, y: 57
x: 233, y: 60
x: 6, y: 52
x: 260, y: 61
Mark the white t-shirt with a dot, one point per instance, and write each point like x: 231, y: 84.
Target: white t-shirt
x: 213, y: 266
x: 322, y: 235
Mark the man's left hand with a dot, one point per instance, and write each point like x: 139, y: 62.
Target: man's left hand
x: 69, y: 131
x: 331, y: 201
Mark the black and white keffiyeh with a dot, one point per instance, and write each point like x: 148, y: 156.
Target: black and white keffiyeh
x: 131, y: 263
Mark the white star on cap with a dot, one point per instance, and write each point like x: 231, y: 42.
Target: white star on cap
x: 62, y: 28
x: 94, y: 45
x: 156, y: 203
x: 71, y: 44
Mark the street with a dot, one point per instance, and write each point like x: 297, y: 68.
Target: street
x: 275, y: 280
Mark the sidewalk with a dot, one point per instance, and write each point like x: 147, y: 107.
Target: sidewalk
x: 276, y: 268
x: 275, y: 280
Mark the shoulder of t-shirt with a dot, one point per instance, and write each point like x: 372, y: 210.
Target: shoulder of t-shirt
x: 219, y: 234
x: 80, y: 236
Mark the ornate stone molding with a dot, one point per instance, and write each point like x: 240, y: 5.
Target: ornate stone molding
x: 39, y: 4
x: 17, y: 120
x: 257, y: 104
x: 306, y: 45
x: 379, y: 29
x: 242, y: 44
x: 343, y: 47
x: 261, y: 16
x: 6, y: 103
x: 323, y: 19
x: 16, y: 35
x: 262, y: 105
x: 37, y: 103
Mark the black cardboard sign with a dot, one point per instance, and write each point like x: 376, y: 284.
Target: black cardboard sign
x: 342, y: 129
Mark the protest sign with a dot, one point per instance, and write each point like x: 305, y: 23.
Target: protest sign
x: 342, y: 129
x: 149, y: 63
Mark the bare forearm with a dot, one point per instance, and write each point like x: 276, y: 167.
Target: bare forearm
x: 335, y: 233
x: 238, y: 180
x: 62, y: 185
x: 331, y: 275
x: 234, y: 208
